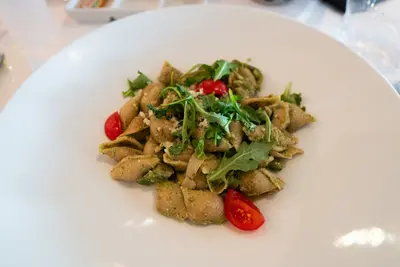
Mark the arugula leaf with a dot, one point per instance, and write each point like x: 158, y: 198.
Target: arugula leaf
x: 150, y: 178
x: 159, y: 113
x: 247, y: 158
x: 219, y: 119
x: 262, y: 114
x: 178, y: 89
x: 291, y: 98
x: 189, y: 122
x: 176, y: 149
x: 268, y: 128
x: 188, y: 126
x: 214, y: 132
x: 199, y: 147
x: 251, y: 114
x: 241, y: 114
x: 179, y: 101
x: 170, y: 88
x: 139, y: 83
x: 203, y: 72
x: 222, y: 105
x: 223, y: 68
x: 209, y: 102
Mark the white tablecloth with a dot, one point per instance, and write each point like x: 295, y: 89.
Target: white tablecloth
x: 38, y: 29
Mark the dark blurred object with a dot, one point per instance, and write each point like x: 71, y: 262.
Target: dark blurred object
x: 338, y: 5
x: 1, y: 59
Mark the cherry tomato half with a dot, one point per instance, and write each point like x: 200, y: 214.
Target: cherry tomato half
x: 113, y: 126
x: 211, y: 86
x: 242, y: 212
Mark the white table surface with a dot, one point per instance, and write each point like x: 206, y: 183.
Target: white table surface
x: 31, y: 31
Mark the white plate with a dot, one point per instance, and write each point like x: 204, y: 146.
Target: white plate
x: 59, y: 206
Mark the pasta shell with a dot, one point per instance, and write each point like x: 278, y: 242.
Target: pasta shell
x: 289, y: 153
x: 118, y: 153
x: 203, y: 207
x: 298, y: 118
x: 168, y: 72
x: 258, y: 134
x: 137, y: 128
x: 236, y: 137
x: 197, y: 169
x: 151, y: 147
x: 259, y: 181
x: 282, y: 139
x: 132, y: 168
x: 161, y: 130
x: 193, y: 167
x: 180, y: 177
x: 210, y: 164
x: 151, y: 95
x: 122, y: 141
x: 185, y: 155
x: 257, y: 102
x: 199, y: 132
x: 223, y: 146
x: 160, y: 173
x: 178, y: 165
x: 130, y: 109
x: 169, y: 200
x: 280, y: 115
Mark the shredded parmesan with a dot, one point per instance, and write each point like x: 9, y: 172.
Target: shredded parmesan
x: 159, y: 128
x: 141, y: 114
x: 146, y: 121
x: 204, y: 123
x: 150, y: 113
x: 194, y: 93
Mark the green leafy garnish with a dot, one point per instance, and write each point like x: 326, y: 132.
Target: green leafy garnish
x: 199, y: 147
x: 189, y: 121
x: 223, y: 68
x: 139, y: 83
x: 219, y: 119
x: 212, y: 103
x: 262, y: 114
x: 178, y: 89
x: 160, y: 173
x: 158, y: 112
x: 251, y: 114
x: 268, y: 128
x: 197, y: 74
x: 151, y: 178
x: 176, y: 149
x: 291, y: 98
x: 215, y: 133
x: 188, y: 126
x: 247, y: 158
x: 241, y: 114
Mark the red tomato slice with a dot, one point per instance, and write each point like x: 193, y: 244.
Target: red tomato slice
x: 113, y: 126
x: 242, y: 212
x: 211, y: 86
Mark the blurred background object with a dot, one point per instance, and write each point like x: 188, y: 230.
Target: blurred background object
x: 374, y: 34
x: 41, y: 28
